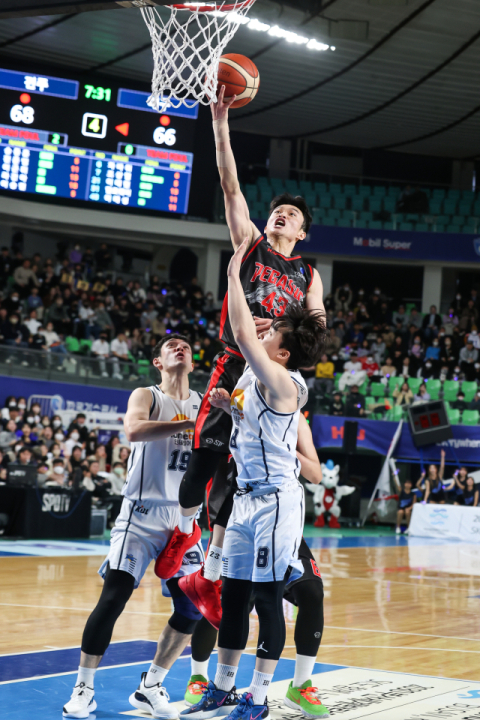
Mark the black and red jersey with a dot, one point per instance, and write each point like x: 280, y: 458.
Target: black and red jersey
x: 271, y: 283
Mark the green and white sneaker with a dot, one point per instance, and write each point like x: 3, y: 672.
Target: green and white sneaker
x: 306, y: 699
x: 196, y: 685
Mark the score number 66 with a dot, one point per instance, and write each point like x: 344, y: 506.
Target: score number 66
x: 162, y: 136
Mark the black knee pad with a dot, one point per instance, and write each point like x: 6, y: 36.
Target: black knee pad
x: 269, y: 605
x: 308, y: 597
x: 233, y: 633
x: 117, y: 590
x: 182, y: 623
x: 203, y: 640
x: 182, y: 605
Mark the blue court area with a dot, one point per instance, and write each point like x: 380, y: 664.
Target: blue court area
x: 37, y: 685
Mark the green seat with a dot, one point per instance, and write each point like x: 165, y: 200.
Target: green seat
x: 414, y: 384
x: 370, y: 400
x: 337, y: 380
x: 450, y: 390
x: 85, y: 345
x: 470, y: 417
x: 433, y: 388
x: 395, y: 414
x: 394, y: 382
x: 72, y: 344
x: 453, y: 416
x: 469, y: 388
x: 363, y: 388
x: 377, y: 390
x: 143, y: 367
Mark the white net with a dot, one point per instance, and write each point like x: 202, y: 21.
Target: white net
x: 187, y: 42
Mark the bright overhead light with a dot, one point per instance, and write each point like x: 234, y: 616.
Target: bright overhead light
x: 275, y: 31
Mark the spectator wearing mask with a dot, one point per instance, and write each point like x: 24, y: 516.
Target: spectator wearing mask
x: 448, y: 354
x: 72, y: 441
x: 370, y: 366
x: 58, y: 476
x: 459, y: 403
x: 79, y: 424
x: 468, y: 357
x: 25, y: 457
x: 119, y: 351
x: 422, y: 395
x: 117, y: 478
x: 8, y: 436
x: 433, y: 351
x: 450, y: 321
x: 337, y: 407
x: 403, y: 394
x: 427, y: 371
x: 416, y: 353
x: 353, y: 373
x: 355, y: 403
x: 431, y: 323
x: 324, y: 376
x: 474, y: 338
x: 378, y: 350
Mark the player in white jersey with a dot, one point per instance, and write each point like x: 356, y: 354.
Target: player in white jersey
x: 159, y: 423
x: 265, y: 528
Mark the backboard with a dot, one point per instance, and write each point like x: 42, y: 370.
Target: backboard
x: 25, y: 8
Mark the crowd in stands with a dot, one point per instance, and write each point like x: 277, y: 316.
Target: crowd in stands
x: 383, y: 358
x: 67, y: 457
x: 73, y: 305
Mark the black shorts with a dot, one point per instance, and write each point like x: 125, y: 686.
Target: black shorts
x: 214, y: 426
x: 310, y: 570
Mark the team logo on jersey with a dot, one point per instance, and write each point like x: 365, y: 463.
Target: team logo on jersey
x: 185, y: 437
x: 236, y: 402
x: 141, y: 509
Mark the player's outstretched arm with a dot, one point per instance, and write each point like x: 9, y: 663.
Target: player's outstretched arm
x: 236, y: 208
x: 306, y: 453
x: 315, y: 293
x: 273, y: 376
x: 138, y: 426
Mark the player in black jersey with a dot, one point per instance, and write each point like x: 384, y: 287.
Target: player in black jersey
x: 273, y: 276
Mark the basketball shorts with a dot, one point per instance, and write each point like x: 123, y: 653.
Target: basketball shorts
x: 263, y: 536
x: 310, y: 571
x: 139, y: 535
x: 214, y: 426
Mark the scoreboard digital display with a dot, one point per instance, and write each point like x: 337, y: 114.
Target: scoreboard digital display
x: 429, y: 423
x: 95, y: 143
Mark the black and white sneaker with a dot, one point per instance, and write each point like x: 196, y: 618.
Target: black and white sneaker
x: 154, y: 700
x: 81, y: 704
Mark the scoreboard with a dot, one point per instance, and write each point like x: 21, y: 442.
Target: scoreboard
x: 429, y: 423
x: 63, y: 138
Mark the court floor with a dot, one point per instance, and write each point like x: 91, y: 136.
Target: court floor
x: 401, y: 641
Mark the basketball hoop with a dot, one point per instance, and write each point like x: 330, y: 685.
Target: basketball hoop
x: 188, y: 40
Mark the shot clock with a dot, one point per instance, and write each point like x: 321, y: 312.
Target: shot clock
x: 429, y: 423
x: 94, y: 143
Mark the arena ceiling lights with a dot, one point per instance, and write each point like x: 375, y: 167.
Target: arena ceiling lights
x: 276, y: 32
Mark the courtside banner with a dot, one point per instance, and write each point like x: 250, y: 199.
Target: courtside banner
x: 377, y: 435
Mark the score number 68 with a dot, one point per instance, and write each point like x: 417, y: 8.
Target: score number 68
x: 165, y: 136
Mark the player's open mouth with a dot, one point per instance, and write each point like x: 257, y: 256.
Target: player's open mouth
x: 280, y: 222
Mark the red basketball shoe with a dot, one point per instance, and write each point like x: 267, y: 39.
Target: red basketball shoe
x: 205, y: 595
x: 169, y: 562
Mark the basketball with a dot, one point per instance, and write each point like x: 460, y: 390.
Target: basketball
x: 240, y: 77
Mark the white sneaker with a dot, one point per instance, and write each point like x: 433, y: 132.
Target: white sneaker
x: 105, y: 374
x: 118, y: 376
x: 398, y: 531
x: 81, y: 704
x: 153, y: 700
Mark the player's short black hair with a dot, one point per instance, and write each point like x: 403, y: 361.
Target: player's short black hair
x: 304, y: 335
x: 157, y: 350
x: 298, y: 202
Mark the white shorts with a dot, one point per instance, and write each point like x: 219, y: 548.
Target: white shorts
x: 141, y: 531
x: 263, y: 536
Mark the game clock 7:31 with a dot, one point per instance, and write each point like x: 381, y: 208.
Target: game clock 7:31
x: 98, y: 93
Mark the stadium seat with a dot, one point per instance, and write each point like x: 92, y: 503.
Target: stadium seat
x: 366, y: 216
x: 85, y: 345
x: 278, y: 186
x: 389, y: 204
x: 468, y: 195
x: 311, y: 199
x: 405, y: 226
x: 344, y: 222
x: 375, y: 204
x: 453, y: 416
x: 469, y: 388
x: 318, y: 214
x: 251, y: 193
x: 320, y: 187
x: 325, y: 201
x: 379, y: 191
x: 329, y: 222
x: 357, y: 203
x: 433, y: 388
x: 340, y: 202
x: 364, y: 190
x: 393, y: 382
x: 422, y: 227
x: 292, y: 187
x: 470, y: 417
x: 476, y: 208
x: 458, y: 220
x: 393, y: 191
x: 435, y: 207
x: 414, y: 384
x: 465, y: 207
x: 450, y: 390
x: 335, y: 189
x: 453, y: 194
x: 363, y: 388
x: 143, y: 367
x: 412, y: 217
x: 266, y: 193
x: 395, y: 414
x: 439, y: 228
x: 349, y: 190
x: 449, y: 207
x: 438, y: 193
x: 377, y: 389
x: 333, y: 213
x: 263, y: 181
x: 305, y: 186
x: 375, y: 224
x: 468, y: 229
x: 388, y: 226
x: 452, y: 229
x: 72, y: 344
x: 258, y: 210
